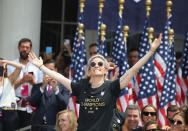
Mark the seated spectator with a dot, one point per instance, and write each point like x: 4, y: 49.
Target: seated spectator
x: 66, y: 120
x: 151, y: 126
x: 132, y: 118
x: 178, y: 122
x: 49, y: 98
x: 8, y: 105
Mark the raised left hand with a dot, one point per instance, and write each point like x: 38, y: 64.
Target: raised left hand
x: 155, y: 44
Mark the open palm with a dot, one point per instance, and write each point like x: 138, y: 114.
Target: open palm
x: 35, y: 60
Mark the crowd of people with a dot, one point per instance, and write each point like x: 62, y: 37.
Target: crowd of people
x: 36, y: 93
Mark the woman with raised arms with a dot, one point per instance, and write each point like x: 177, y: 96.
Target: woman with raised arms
x: 96, y: 96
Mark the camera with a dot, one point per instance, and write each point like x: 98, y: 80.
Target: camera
x: 1, y: 70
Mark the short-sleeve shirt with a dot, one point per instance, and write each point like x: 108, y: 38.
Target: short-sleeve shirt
x: 38, y: 76
x: 96, y: 104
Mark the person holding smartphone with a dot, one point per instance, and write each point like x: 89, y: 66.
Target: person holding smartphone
x: 8, y: 105
x: 29, y: 76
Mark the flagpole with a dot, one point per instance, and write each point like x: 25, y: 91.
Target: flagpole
x: 101, y: 5
x: 121, y: 6
x: 170, y: 36
x: 125, y: 33
x: 150, y: 34
x: 148, y: 7
x: 168, y: 8
x: 80, y: 30
x: 82, y: 5
x: 103, y: 31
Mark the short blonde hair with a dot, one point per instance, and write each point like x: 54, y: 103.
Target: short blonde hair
x: 71, y: 117
x: 98, y: 56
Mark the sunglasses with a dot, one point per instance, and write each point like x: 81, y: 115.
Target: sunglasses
x: 93, y: 64
x: 153, y: 130
x: 178, y: 122
x: 151, y: 113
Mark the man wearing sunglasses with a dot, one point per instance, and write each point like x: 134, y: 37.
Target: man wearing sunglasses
x: 171, y: 110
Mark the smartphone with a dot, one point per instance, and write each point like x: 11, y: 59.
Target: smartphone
x: 66, y: 42
x: 30, y: 73
x: 1, y: 70
x: 49, y: 50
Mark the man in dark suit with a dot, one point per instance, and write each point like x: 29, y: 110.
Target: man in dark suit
x: 49, y: 98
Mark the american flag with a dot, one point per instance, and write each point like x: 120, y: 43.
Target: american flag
x: 101, y: 44
x: 161, y: 58
x: 168, y: 96
x: 119, y: 57
x: 77, y: 63
x: 182, y: 76
x: 147, y: 86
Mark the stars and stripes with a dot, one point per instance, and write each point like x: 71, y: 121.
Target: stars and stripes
x: 147, y: 86
x: 182, y: 76
x: 168, y: 94
x: 77, y: 63
x: 119, y: 57
x: 161, y: 58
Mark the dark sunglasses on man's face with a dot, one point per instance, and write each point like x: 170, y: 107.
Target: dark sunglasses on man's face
x: 151, y: 113
x: 93, y: 64
x: 178, y: 122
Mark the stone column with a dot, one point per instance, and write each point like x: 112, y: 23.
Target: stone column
x: 19, y: 19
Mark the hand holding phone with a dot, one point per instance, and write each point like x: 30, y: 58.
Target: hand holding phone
x: 1, y: 70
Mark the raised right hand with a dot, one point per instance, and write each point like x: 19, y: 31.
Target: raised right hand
x: 34, y: 60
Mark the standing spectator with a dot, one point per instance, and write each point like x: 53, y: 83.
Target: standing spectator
x: 132, y: 118
x: 96, y: 96
x: 178, y: 60
x: 133, y: 57
x: 63, y: 58
x: 92, y: 49
x: 8, y: 105
x: 48, y: 98
x: 29, y: 75
x: 66, y: 120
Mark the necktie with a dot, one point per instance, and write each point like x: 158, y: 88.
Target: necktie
x: 49, y: 89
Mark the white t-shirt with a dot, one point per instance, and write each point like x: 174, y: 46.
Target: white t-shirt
x: 38, y: 76
x: 7, y: 95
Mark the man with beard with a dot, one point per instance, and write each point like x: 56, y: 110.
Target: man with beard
x: 29, y: 76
